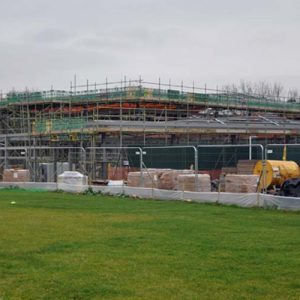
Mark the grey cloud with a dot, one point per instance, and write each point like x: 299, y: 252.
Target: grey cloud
x: 51, y: 36
x: 46, y: 42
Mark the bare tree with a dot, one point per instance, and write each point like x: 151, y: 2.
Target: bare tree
x: 246, y: 87
x: 293, y: 95
x: 230, y: 88
x: 277, y: 91
x: 260, y: 89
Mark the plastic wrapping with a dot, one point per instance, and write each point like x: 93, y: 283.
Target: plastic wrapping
x: 16, y: 175
x: 70, y: 181
x: 236, y: 183
x: 193, y: 183
x: 280, y: 203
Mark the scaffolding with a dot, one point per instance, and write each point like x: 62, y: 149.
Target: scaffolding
x: 137, y: 112
x: 57, y: 111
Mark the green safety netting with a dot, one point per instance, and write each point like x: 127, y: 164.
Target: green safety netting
x: 137, y: 93
x: 62, y: 124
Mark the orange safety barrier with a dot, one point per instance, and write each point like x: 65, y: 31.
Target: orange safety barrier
x: 157, y: 106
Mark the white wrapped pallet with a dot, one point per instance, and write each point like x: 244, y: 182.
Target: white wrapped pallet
x: 72, y: 181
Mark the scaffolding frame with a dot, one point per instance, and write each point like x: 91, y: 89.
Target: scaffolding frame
x: 137, y: 113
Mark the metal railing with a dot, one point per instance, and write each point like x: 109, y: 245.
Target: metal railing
x: 228, y: 159
x: 29, y: 158
x: 93, y: 160
x: 208, y: 159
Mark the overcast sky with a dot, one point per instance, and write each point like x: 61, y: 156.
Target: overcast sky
x: 46, y: 42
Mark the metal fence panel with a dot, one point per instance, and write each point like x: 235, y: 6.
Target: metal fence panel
x: 43, y: 163
x: 221, y: 160
x: 112, y: 163
x: 172, y: 157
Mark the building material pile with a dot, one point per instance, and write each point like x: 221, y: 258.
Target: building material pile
x: 148, y: 179
x: 188, y: 182
x: 241, y: 183
x: 119, y: 173
x: 246, y: 166
x: 72, y: 181
x: 169, y: 179
x: 16, y: 175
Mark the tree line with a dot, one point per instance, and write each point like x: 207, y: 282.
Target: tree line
x: 262, y: 89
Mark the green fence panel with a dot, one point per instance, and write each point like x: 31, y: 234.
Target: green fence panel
x: 292, y: 153
x: 215, y: 158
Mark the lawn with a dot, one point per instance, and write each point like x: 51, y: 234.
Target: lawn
x: 62, y: 246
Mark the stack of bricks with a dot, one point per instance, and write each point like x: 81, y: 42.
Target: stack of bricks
x: 148, y: 179
x: 16, y: 175
x: 241, y: 183
x: 189, y: 182
x: 169, y: 179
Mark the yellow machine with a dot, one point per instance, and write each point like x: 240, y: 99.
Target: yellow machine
x: 276, y: 172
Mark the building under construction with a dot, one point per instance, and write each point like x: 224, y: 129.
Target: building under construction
x: 139, y: 113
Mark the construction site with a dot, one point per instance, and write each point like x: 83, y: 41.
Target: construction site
x: 103, y: 130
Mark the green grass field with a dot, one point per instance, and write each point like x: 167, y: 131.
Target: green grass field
x: 61, y: 246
